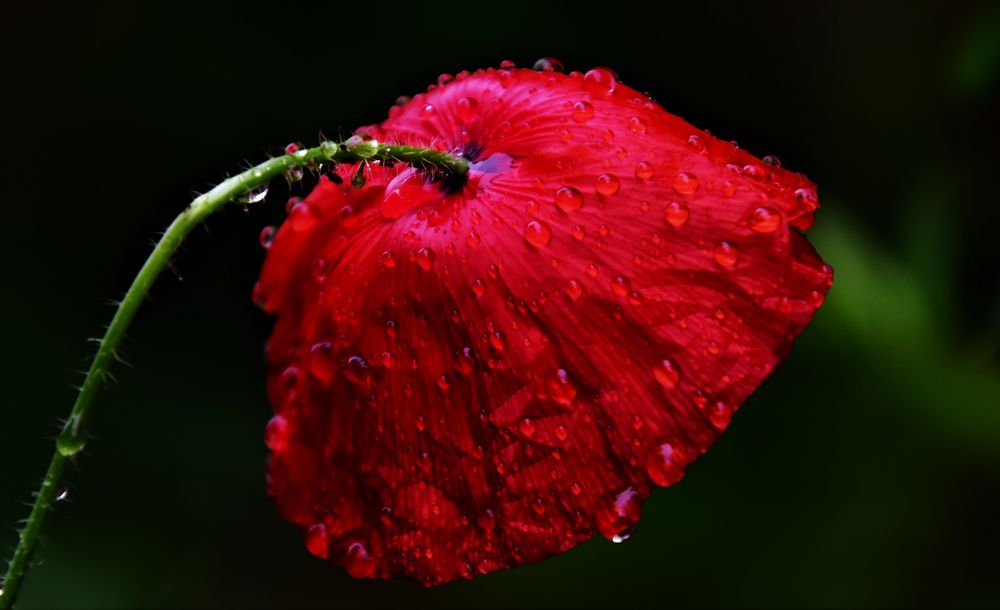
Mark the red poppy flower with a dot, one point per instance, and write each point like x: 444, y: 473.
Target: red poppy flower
x: 470, y: 376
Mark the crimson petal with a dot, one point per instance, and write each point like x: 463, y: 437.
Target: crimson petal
x: 466, y: 381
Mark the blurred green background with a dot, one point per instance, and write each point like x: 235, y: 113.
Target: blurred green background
x: 866, y: 472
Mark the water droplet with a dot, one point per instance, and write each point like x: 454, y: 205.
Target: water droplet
x: 499, y: 341
x: 467, y: 108
x: 561, y: 388
x: 676, y: 213
x: 697, y: 143
x: 424, y: 461
x: 623, y: 535
x: 725, y: 254
x: 478, y: 287
x: 464, y: 362
x: 444, y: 79
x: 772, y: 160
x: 599, y: 80
x: 320, y: 364
x: 592, y: 270
x: 356, y: 371
x: 757, y: 172
x: 686, y: 183
x: 574, y: 290
x: 538, y: 233
x: 806, y: 194
x: 637, y: 125
x: 644, y: 170
x: 318, y: 541
x: 765, y: 220
x: 472, y: 239
x: 617, y: 514
x: 526, y: 427
x: 582, y: 112
x: 301, y: 217
x: 443, y: 383
x: 607, y: 184
x: 357, y: 561
x: 665, y: 465
x: 425, y: 258
x: 267, y: 236
x: 576, y: 489
x: 256, y: 196
x: 562, y: 432
x: 486, y: 519
x: 276, y: 433
x: 507, y: 64
x: 667, y: 373
x: 620, y: 285
x: 549, y: 64
x: 569, y: 199
x: 720, y: 414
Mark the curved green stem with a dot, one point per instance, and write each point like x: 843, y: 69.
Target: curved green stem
x: 74, y: 434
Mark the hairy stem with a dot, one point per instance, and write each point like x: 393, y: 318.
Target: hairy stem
x: 74, y: 434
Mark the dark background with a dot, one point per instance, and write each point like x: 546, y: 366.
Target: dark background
x: 866, y: 472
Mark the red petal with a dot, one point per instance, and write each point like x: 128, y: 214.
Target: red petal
x: 476, y: 380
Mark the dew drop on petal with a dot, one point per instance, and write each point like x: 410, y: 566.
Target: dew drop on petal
x: 637, y: 125
x: 665, y: 465
x: 574, y: 290
x: 425, y: 258
x: 526, y: 427
x: 667, y: 373
x: 607, y: 184
x: 301, y: 217
x: 538, y: 233
x: 562, y: 432
x: 549, y: 64
x: 599, y: 80
x: 765, y: 220
x: 697, y: 143
x: 320, y: 364
x: 725, y: 254
x: 620, y: 285
x: 644, y: 170
x: 568, y: 199
x: 276, y: 433
x: 719, y: 413
x: 467, y: 109
x: 464, y: 362
x: 267, y: 236
x: 686, y: 183
x: 618, y: 513
x: 676, y: 213
x: 318, y: 541
x: 806, y: 194
x: 356, y: 371
x: 358, y: 561
x: 561, y: 389
x: 582, y: 112
x: 478, y: 287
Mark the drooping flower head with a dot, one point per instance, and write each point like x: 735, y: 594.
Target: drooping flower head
x: 470, y: 375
